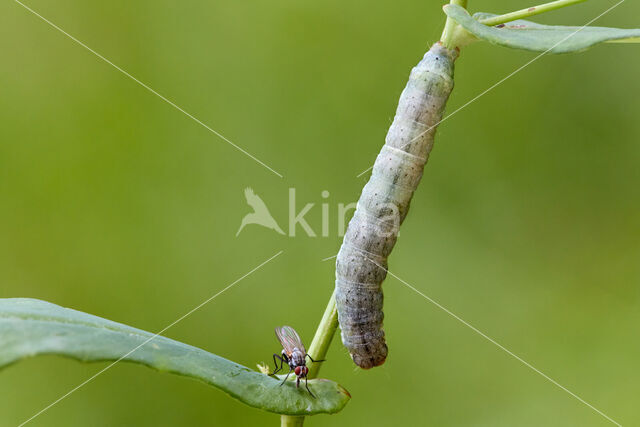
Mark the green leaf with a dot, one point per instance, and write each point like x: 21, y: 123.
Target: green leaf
x: 30, y: 327
x: 527, y: 35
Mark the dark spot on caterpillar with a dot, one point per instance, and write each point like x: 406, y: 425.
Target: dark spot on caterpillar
x: 500, y: 26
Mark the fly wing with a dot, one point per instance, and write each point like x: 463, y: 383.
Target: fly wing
x: 289, y: 339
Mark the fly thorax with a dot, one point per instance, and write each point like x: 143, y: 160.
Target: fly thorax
x: 297, y: 357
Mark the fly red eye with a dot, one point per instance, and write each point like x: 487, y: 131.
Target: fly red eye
x: 297, y: 370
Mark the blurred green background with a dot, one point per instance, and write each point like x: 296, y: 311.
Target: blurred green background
x: 526, y: 224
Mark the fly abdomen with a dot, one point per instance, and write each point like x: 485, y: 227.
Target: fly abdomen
x: 384, y: 203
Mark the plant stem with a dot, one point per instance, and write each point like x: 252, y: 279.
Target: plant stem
x: 318, y: 350
x: 324, y: 334
x: 291, y: 421
x: 450, y: 32
x: 531, y: 11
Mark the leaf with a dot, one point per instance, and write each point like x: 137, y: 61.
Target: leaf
x: 30, y: 327
x: 527, y: 35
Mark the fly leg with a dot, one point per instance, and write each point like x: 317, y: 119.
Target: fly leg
x: 306, y: 384
x: 314, y: 361
x: 285, y: 378
x: 275, y: 361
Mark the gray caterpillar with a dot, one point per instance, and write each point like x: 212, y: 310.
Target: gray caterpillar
x: 372, y: 232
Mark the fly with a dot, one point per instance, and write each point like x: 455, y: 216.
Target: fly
x: 293, y: 354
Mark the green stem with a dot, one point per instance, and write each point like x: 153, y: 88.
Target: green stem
x: 324, y: 334
x: 531, y: 11
x: 451, y: 31
x: 291, y: 421
x: 318, y: 350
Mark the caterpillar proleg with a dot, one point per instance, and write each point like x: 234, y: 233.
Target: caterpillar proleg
x: 372, y: 232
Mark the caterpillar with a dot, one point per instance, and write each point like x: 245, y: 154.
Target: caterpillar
x: 361, y: 264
